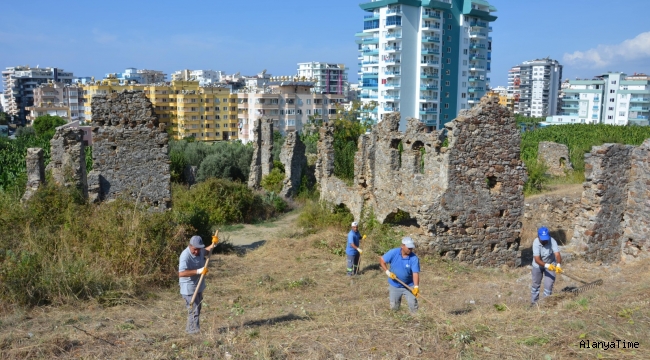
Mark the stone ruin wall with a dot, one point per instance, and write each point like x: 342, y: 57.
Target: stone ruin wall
x: 130, y: 154
x: 68, y: 159
x: 467, y: 198
x: 555, y: 156
x: 262, y: 162
x: 292, y: 156
x: 613, y: 223
x: 35, y: 172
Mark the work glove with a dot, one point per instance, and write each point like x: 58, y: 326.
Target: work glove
x: 550, y: 267
x: 558, y: 269
x: 390, y: 275
x: 215, y: 240
x: 363, y: 237
x: 360, y: 251
x: 202, y: 271
x: 416, y: 291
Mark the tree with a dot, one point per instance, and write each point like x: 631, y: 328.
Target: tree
x: 4, y: 118
x: 45, y: 125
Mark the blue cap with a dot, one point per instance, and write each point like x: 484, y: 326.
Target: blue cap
x: 543, y: 235
x: 197, y: 242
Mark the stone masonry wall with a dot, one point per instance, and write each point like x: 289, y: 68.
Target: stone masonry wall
x: 598, y: 229
x: 635, y: 242
x: 68, y: 159
x: 292, y: 156
x: 35, y: 172
x: 130, y: 154
x: 555, y: 156
x: 262, y: 162
x: 467, y: 198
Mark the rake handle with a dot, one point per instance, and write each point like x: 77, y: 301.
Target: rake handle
x: 198, y: 286
x: 573, y: 277
x: 411, y: 290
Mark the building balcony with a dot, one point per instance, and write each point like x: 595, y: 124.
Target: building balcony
x: 473, y: 100
x: 391, y: 85
x: 431, y: 15
x: 639, y: 117
x: 476, y: 58
x: 477, y: 46
x: 570, y: 98
x: 392, y: 49
x: 391, y: 97
x: 637, y: 99
x: 477, y: 35
x: 475, y: 89
x: 428, y: 111
x: 370, y: 52
x: 393, y: 35
x: 567, y: 106
x: 430, y: 51
x: 391, y: 61
x: 425, y: 98
x: 433, y: 63
x: 639, y: 108
x: 474, y: 67
x: 393, y: 11
x: 371, y: 40
x: 430, y: 39
x: 366, y: 96
x: 370, y: 62
x: 372, y: 16
x: 367, y: 86
x: 428, y: 87
x: 480, y: 24
x: 393, y: 24
x: 427, y: 75
x: 476, y: 78
x: 431, y: 26
x: 392, y: 73
x: 391, y: 108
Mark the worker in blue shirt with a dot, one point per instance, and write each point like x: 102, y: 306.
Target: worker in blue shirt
x: 352, y: 251
x: 404, y: 265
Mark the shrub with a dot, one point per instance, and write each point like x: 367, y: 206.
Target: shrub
x: 273, y: 181
x: 320, y: 215
x: 536, y: 177
x: 45, y: 125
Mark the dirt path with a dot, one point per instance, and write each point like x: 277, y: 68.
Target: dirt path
x: 253, y: 235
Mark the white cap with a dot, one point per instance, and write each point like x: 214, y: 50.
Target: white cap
x: 408, y: 242
x: 355, y: 224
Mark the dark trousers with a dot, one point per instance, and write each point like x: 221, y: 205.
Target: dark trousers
x: 353, y: 264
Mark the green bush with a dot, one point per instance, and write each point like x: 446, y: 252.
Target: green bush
x: 537, y: 177
x: 223, y: 159
x: 45, y: 125
x: 321, y: 215
x: 273, y: 181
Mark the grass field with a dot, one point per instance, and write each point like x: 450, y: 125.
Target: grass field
x: 290, y: 299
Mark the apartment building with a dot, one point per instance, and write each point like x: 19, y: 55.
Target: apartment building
x: 57, y: 99
x: 143, y: 76
x: 288, y: 101
x: 204, y: 77
x: 19, y: 83
x: 207, y: 113
x: 537, y: 84
x: 513, y: 88
x: 612, y: 98
x: 505, y: 99
x: 427, y: 59
x: 328, y: 78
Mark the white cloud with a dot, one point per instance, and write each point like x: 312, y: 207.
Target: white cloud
x: 604, y: 55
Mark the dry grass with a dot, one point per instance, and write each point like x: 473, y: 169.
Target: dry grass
x: 291, y: 300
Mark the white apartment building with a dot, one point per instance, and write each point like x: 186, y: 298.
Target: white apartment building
x: 288, y: 101
x: 204, y: 77
x: 536, y: 84
x: 19, y: 83
x: 612, y: 98
x: 426, y: 59
x: 57, y: 99
x: 329, y: 78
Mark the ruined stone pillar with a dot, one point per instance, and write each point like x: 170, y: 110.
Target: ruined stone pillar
x: 598, y: 228
x: 262, y: 162
x: 293, y: 158
x: 325, y: 160
x: 635, y: 244
x: 555, y: 156
x: 35, y: 172
x: 68, y: 159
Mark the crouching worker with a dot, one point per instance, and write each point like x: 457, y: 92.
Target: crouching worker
x: 546, y: 264
x: 190, y: 268
x: 405, y: 266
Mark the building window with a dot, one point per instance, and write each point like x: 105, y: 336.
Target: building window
x: 447, y: 72
x: 464, y: 84
x: 611, y: 100
x: 448, y: 27
x: 447, y: 94
x: 464, y: 73
x: 448, y: 61
x: 446, y: 117
x: 464, y: 62
x: 609, y: 117
x: 448, y: 49
x: 462, y: 95
x: 308, y: 101
x: 621, y: 113
x: 464, y: 51
x: 446, y: 106
x: 448, y: 16
x: 613, y: 82
x: 612, y: 91
x: 449, y: 37
x: 447, y: 83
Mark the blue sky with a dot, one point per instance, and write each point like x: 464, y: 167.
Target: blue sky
x: 92, y: 38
